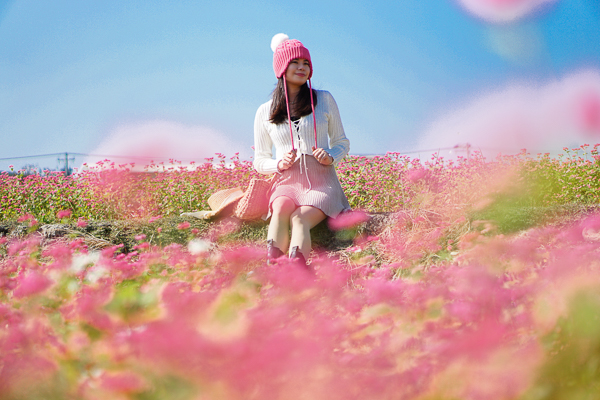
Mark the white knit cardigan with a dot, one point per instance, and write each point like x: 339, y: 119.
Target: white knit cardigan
x: 330, y: 134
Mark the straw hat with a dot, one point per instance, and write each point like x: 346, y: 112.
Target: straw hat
x: 218, y: 202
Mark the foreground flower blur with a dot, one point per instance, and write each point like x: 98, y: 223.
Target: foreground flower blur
x: 449, y: 301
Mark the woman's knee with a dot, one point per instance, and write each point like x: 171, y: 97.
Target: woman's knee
x: 283, y: 206
x: 296, y: 219
x: 306, y: 216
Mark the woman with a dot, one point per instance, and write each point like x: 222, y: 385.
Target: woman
x: 305, y: 127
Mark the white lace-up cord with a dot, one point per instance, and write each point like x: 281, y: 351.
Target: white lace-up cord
x: 306, y: 173
x: 312, y: 106
x: 303, y: 165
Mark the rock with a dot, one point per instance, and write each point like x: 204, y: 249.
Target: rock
x: 54, y: 230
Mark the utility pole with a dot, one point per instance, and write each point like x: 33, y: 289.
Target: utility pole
x: 67, y: 162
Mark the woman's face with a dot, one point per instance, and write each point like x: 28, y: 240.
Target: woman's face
x: 297, y: 72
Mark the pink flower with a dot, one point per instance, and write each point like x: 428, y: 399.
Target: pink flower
x: 141, y: 246
x: 348, y: 220
x: 64, y: 214
x: 89, y: 306
x: 126, y: 382
x: 25, y: 217
x: 183, y: 304
x: 32, y: 284
x: 239, y: 258
x: 81, y: 223
x: 183, y: 225
x: 416, y: 174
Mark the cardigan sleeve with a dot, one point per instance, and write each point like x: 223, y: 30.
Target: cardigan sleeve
x: 338, y: 142
x: 263, y: 145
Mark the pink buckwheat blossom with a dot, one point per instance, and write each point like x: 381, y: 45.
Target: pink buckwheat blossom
x: 64, y: 214
x: 32, y: 283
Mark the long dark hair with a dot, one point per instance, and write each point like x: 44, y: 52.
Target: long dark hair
x: 300, y: 108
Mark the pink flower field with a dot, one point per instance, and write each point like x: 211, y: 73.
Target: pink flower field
x: 482, y: 282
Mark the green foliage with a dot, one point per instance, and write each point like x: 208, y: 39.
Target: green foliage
x: 573, y: 353
x: 509, y: 215
x: 572, y: 177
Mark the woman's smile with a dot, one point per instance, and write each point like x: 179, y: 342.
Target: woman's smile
x: 297, y: 72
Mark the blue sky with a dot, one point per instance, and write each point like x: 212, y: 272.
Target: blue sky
x: 76, y: 75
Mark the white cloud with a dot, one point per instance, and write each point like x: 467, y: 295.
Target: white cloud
x: 162, y: 140
x: 540, y: 118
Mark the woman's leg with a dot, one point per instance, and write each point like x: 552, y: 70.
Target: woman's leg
x: 279, y: 227
x: 303, y: 219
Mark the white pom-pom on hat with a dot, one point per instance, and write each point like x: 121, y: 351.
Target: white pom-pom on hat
x: 277, y: 40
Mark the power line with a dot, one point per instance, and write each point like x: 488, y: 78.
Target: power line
x: 36, y: 156
x: 466, y: 147
x: 127, y: 157
x: 87, y: 155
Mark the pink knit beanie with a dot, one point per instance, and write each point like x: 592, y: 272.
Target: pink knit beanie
x: 285, y: 50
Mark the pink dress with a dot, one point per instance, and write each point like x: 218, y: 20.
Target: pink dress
x: 310, y: 183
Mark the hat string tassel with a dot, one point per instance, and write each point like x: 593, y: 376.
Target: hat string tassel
x: 287, y: 104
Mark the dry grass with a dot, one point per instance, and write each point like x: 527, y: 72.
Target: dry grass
x: 411, y: 229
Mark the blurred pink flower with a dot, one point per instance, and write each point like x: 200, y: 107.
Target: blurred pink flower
x: 182, y: 303
x: 22, y: 371
x: 176, y: 345
x: 501, y: 11
x: 183, y: 225
x: 31, y: 284
x: 89, y: 306
x: 237, y: 259
x: 25, y: 217
x: 64, y: 214
x: 348, y: 220
x: 414, y: 175
x: 124, y: 382
x: 142, y: 246
x: 589, y: 112
x: 477, y: 342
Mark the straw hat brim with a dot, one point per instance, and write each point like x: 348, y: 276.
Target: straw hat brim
x: 232, y: 196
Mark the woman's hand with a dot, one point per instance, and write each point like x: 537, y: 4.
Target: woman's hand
x: 322, y: 156
x: 287, y: 161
